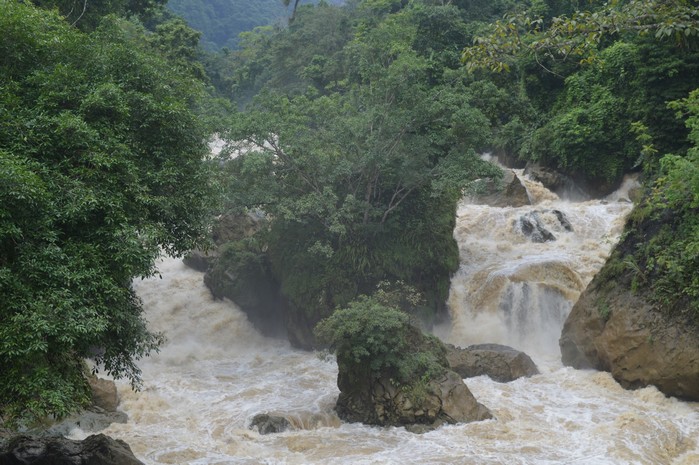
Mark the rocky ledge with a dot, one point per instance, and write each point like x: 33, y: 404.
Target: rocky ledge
x: 619, y: 331
x: 94, y: 450
x: 381, y: 401
x: 501, y: 363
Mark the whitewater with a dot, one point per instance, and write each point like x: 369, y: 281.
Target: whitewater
x: 216, y: 371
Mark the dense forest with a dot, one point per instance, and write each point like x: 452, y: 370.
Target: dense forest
x: 361, y: 125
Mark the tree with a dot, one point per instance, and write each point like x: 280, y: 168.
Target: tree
x: 578, y: 35
x: 361, y: 182
x: 293, y: 10
x: 100, y: 172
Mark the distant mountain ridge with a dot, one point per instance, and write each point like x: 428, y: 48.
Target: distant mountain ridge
x: 220, y: 21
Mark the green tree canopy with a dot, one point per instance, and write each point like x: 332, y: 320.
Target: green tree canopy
x: 100, y: 171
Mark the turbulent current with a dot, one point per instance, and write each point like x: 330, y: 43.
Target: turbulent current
x: 216, y: 371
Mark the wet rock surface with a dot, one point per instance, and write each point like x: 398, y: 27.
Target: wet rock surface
x: 501, y: 363
x: 269, y: 424
x: 509, y: 192
x: 614, y: 329
x: 537, y: 224
x: 94, y: 450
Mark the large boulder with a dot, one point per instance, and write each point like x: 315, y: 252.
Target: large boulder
x: 614, y: 329
x: 390, y: 373
x: 501, y: 363
x: 535, y: 224
x: 382, y: 401
x: 508, y: 192
x: 564, y: 186
x: 94, y: 450
x: 104, y: 393
x: 241, y: 273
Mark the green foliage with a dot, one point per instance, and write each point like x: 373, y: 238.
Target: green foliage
x: 578, y: 35
x: 361, y: 171
x: 659, y: 252
x: 100, y: 171
x: 86, y: 15
x: 368, y: 336
x: 671, y: 257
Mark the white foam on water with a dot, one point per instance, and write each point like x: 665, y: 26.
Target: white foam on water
x: 216, y: 372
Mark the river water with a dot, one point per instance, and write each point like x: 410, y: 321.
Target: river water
x: 216, y: 371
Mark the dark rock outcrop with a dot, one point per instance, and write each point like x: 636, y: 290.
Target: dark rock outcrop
x: 94, y: 450
x: 613, y: 329
x: 501, y: 363
x: 564, y: 186
x: 268, y: 424
x: 531, y: 226
x: 535, y: 226
x: 200, y: 260
x: 509, y: 192
x: 429, y: 397
x: 238, y: 269
x: 381, y: 401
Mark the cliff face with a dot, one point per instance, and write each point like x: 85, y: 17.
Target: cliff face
x: 617, y: 326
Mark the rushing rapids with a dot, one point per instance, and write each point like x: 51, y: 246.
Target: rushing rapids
x: 216, y: 372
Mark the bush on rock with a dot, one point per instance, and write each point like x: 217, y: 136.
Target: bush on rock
x: 390, y: 373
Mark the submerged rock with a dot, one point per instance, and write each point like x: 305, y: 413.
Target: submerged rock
x: 501, y: 363
x: 535, y: 224
x: 268, y: 424
x: 94, y: 450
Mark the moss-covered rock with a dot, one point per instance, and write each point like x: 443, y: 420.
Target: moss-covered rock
x: 390, y: 373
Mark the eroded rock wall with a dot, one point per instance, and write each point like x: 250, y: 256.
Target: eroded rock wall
x: 615, y: 327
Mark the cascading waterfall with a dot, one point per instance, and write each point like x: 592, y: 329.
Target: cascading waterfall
x: 216, y: 372
x: 523, y: 268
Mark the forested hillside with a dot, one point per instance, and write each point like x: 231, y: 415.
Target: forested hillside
x: 376, y: 122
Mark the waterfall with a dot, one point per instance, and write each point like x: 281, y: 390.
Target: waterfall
x: 216, y: 372
x: 523, y: 268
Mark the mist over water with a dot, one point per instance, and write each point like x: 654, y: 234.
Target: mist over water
x: 216, y: 371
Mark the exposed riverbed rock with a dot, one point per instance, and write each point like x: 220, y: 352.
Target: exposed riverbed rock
x: 104, y: 393
x: 509, y: 192
x: 620, y: 332
x: 429, y: 396
x: 94, y: 450
x: 564, y: 186
x: 536, y: 224
x: 238, y: 269
x: 380, y: 401
x: 501, y: 363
